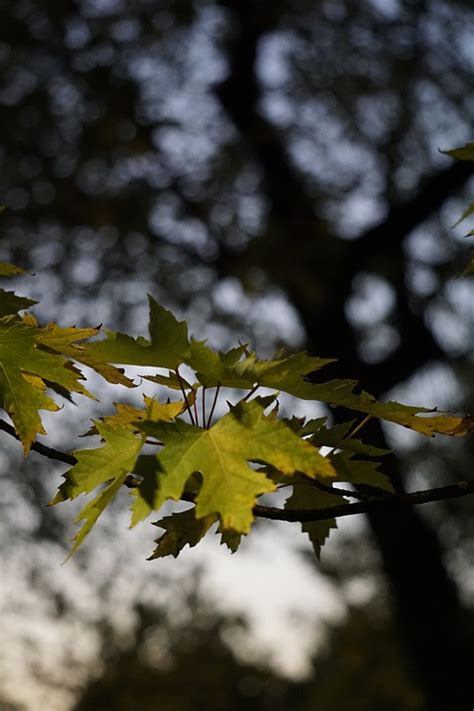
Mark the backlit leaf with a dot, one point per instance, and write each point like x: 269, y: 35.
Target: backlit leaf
x: 222, y: 455
x: 181, y: 529
x: 9, y: 270
x: 306, y: 496
x: 65, y: 341
x: 116, y: 456
x: 11, y: 303
x: 465, y: 152
x: 167, y: 346
x: 92, y: 510
x: 20, y: 357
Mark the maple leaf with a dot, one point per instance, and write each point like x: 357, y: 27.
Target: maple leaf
x: 419, y: 419
x: 215, y: 368
x: 467, y: 213
x: 111, y: 462
x: 181, y: 529
x: 306, y: 496
x: 24, y: 371
x: 290, y: 375
x: 359, y: 471
x: 222, y: 455
x: 95, y: 466
x: 170, y: 381
x: 11, y: 303
x: 184, y: 528
x: 92, y: 510
x: 337, y: 438
x: 65, y: 341
x: 131, y: 416
x: 228, y: 370
x: 465, y: 152
x: 10, y: 270
x: 167, y: 347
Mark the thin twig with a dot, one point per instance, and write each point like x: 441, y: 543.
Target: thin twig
x: 203, y: 405
x: 196, y: 410
x: 188, y: 407
x: 214, y: 403
x: 416, y: 498
x: 358, y: 427
x: 41, y: 448
x: 251, y: 392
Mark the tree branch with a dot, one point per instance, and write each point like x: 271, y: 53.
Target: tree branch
x: 416, y: 498
x: 41, y: 448
x: 462, y: 488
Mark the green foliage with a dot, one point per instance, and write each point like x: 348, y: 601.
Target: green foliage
x: 221, y: 453
x: 221, y: 465
x: 465, y: 152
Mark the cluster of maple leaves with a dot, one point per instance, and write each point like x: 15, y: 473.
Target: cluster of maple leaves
x: 220, y: 465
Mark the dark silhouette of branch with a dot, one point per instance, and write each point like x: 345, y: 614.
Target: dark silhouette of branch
x: 416, y: 498
x: 463, y: 488
x: 49, y: 452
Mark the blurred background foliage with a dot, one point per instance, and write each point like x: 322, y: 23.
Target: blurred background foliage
x: 271, y: 170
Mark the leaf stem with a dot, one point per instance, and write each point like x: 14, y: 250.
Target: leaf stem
x: 358, y: 427
x: 196, y: 410
x: 214, y: 403
x: 203, y: 405
x: 188, y: 407
x: 251, y: 392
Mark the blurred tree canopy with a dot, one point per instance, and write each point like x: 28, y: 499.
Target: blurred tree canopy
x: 187, y: 664
x: 274, y: 166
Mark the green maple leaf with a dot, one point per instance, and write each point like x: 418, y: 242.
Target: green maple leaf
x: 278, y: 374
x: 9, y: 270
x: 467, y: 212
x: 11, y: 303
x: 290, y: 375
x: 222, y: 455
x: 24, y: 371
x: 306, y: 496
x: 65, y: 341
x: 170, y: 381
x: 131, y: 416
x: 465, y: 152
x: 217, y: 368
x: 337, y: 438
x: 359, y: 471
x: 111, y: 462
x: 167, y: 346
x: 92, y: 510
x: 95, y: 466
x: 181, y: 529
x: 419, y: 419
x: 184, y: 528
x: 469, y: 269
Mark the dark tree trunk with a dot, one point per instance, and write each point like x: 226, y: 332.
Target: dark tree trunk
x: 316, y: 268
